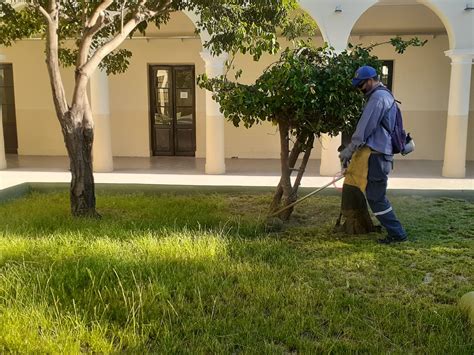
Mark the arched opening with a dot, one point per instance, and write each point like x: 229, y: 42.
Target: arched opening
x: 182, y: 25
x: 159, y: 91
x: 419, y: 78
x: 173, y: 94
x: 261, y: 141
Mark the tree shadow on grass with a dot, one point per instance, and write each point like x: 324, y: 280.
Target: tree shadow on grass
x: 251, y: 292
x: 124, y: 215
x: 214, y: 294
x: 153, y: 294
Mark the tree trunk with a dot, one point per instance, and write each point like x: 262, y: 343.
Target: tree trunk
x: 304, y: 163
x: 294, y: 155
x: 285, y: 180
x: 285, y: 193
x: 79, y: 138
x: 75, y: 120
x: 293, y: 194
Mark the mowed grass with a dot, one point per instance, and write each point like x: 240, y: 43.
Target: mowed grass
x: 198, y: 273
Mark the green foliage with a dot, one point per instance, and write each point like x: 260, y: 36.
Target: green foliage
x: 308, y: 87
x: 15, y: 25
x: 116, y: 62
x: 401, y: 45
x: 234, y: 25
x: 175, y: 273
x: 67, y: 56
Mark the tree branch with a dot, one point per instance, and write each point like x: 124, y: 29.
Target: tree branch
x: 86, y: 70
x: 43, y: 12
x: 110, y: 46
x: 52, y: 62
x: 302, y: 169
x: 86, y: 41
x: 97, y: 13
x: 91, y: 27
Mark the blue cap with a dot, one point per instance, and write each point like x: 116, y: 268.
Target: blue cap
x: 364, y: 73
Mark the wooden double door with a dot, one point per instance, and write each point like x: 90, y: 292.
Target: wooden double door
x: 173, y: 110
x: 7, y: 102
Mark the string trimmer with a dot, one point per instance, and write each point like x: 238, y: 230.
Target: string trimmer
x: 338, y: 177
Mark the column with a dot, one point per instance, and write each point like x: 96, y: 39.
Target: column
x: 335, y: 20
x: 215, y: 151
x: 454, y: 165
x: 99, y: 100
x: 3, y: 160
x: 330, y: 163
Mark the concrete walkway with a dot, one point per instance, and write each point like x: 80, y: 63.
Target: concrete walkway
x: 408, y: 174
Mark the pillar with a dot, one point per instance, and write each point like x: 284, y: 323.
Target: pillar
x: 99, y: 99
x: 335, y: 20
x: 3, y: 160
x: 215, y: 151
x: 454, y: 165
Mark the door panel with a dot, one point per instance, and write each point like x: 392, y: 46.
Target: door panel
x: 11, y: 142
x: 184, y: 140
x: 185, y: 116
x: 185, y: 136
x: 161, y: 110
x: 163, y: 141
x: 173, y: 110
x: 7, y: 103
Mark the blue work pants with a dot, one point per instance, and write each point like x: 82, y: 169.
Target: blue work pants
x: 380, y: 166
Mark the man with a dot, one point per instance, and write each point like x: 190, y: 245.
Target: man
x: 370, y: 132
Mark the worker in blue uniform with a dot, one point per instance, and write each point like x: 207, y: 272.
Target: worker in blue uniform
x: 380, y: 106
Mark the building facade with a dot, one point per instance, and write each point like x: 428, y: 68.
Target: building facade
x: 155, y: 108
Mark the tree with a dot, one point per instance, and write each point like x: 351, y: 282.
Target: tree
x: 306, y: 93
x: 99, y: 27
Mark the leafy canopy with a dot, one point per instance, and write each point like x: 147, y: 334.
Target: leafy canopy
x: 308, y: 87
x: 234, y: 25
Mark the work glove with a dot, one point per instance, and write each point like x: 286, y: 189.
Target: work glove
x: 346, y: 154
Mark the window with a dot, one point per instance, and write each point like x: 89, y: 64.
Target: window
x: 387, y: 73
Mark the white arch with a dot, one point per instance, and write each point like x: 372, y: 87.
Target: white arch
x: 204, y: 35
x: 459, y: 23
x: 456, y: 20
x: 448, y: 14
x: 336, y: 19
x: 17, y: 4
x: 336, y: 26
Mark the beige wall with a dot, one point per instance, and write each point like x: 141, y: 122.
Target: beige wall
x: 421, y: 82
x: 260, y: 141
x: 39, y: 132
x: 129, y: 96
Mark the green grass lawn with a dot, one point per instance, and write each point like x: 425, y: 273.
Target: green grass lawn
x: 197, y: 273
